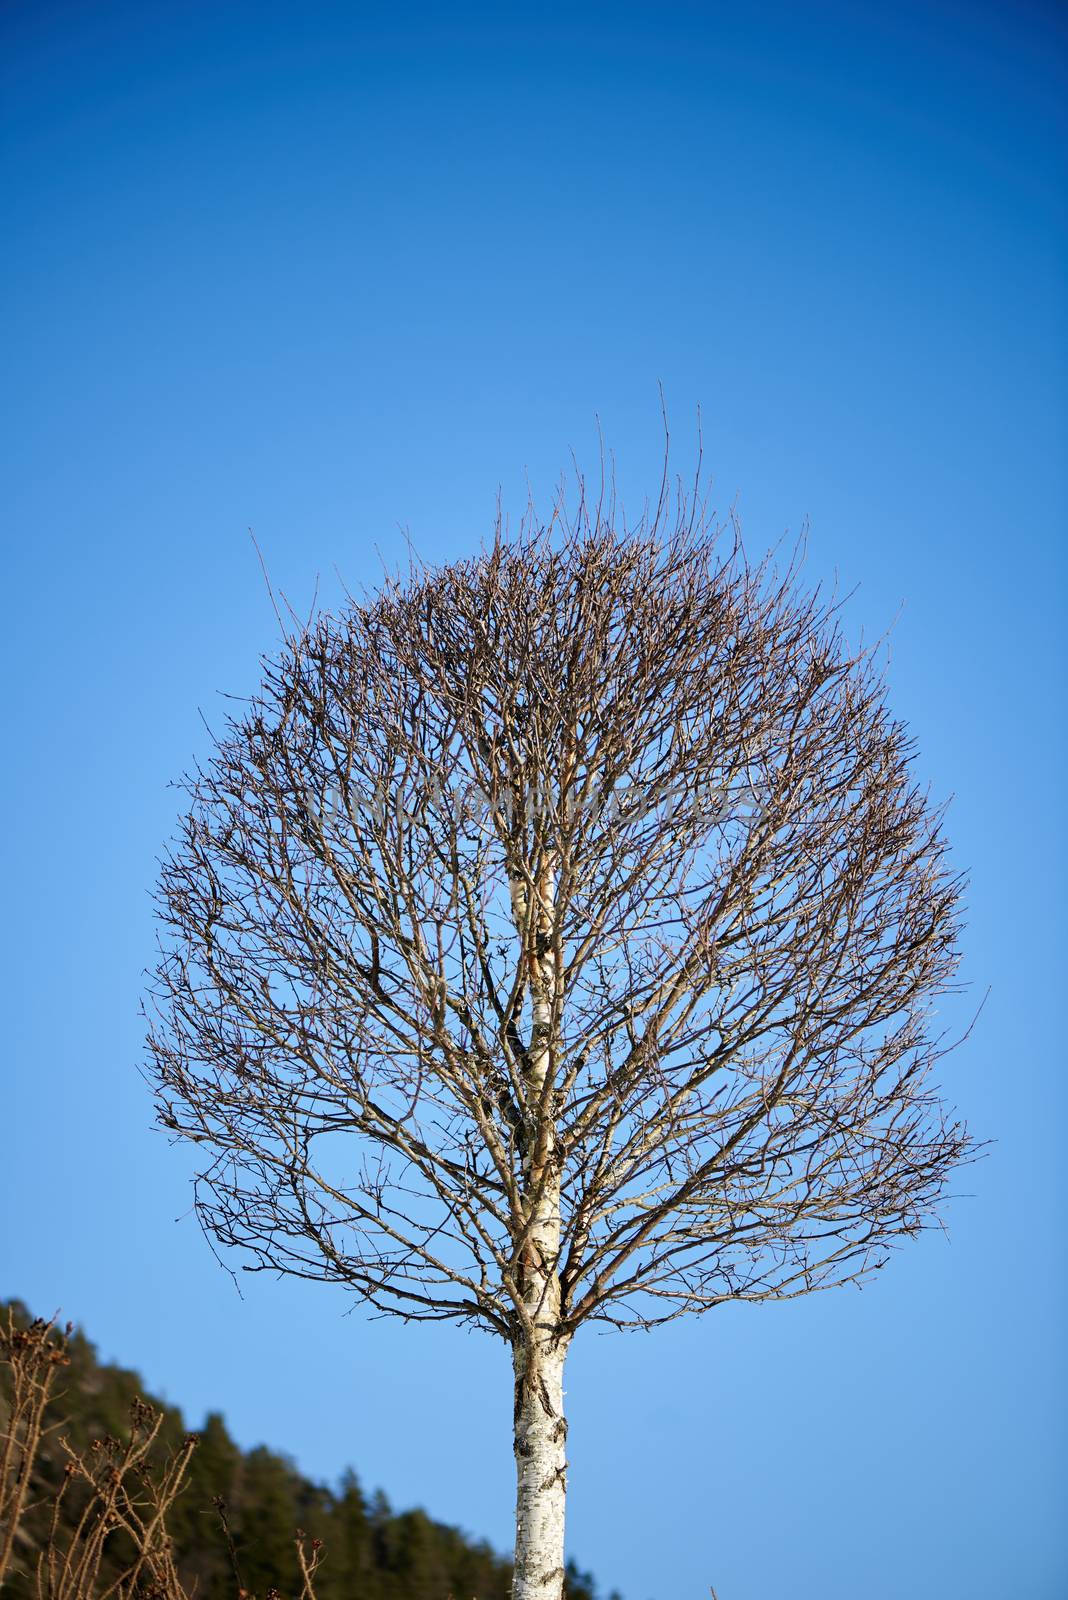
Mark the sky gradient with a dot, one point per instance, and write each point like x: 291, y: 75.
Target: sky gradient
x: 339, y: 274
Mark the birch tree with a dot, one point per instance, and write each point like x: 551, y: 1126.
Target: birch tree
x: 554, y: 939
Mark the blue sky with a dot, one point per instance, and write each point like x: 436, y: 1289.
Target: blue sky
x: 335, y: 272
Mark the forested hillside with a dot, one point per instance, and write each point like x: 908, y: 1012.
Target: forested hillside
x: 369, y: 1551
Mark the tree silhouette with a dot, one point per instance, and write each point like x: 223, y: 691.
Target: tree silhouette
x: 552, y: 939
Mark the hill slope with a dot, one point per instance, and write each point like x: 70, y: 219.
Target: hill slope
x: 370, y: 1551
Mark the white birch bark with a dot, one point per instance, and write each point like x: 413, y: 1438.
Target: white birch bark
x: 541, y: 1485
x: 540, y: 1349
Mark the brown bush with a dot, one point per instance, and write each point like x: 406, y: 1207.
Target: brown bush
x: 96, y: 1529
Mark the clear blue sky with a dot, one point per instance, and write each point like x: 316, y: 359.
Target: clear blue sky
x: 329, y: 271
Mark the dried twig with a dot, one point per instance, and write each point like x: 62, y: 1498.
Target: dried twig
x: 107, y: 1535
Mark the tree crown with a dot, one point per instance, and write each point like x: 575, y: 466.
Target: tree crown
x: 590, y: 868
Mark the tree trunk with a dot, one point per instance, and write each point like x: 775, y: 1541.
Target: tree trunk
x: 540, y: 1348
x: 541, y: 1485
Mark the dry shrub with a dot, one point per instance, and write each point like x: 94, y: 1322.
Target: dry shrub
x: 106, y: 1532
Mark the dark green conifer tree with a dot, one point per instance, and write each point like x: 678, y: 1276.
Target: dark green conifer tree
x: 267, y: 1517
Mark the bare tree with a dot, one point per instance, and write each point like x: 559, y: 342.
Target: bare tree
x: 553, y: 939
